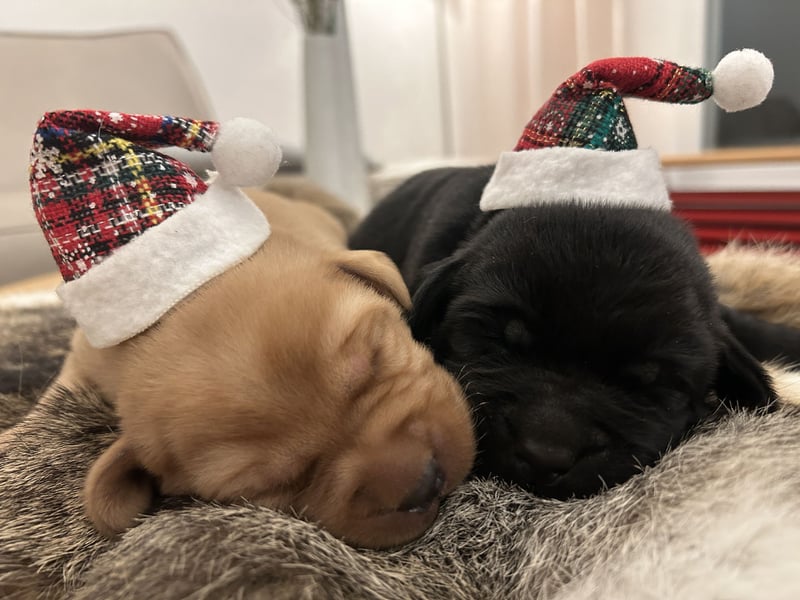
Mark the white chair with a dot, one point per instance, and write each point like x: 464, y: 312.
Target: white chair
x: 144, y: 72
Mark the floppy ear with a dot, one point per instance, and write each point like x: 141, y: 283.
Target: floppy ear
x: 763, y: 339
x: 117, y: 489
x: 376, y: 271
x: 741, y: 380
x: 431, y: 299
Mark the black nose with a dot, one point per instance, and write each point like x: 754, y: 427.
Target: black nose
x: 428, y: 489
x: 547, y: 458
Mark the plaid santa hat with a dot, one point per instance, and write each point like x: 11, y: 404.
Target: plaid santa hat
x: 133, y: 230
x: 580, y: 145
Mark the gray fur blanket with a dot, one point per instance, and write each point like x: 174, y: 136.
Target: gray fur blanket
x: 718, y: 517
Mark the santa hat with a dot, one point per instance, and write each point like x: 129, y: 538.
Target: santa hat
x: 581, y: 146
x: 133, y: 230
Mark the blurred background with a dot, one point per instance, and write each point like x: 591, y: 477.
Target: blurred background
x: 362, y: 93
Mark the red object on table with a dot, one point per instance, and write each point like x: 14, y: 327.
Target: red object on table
x: 747, y: 217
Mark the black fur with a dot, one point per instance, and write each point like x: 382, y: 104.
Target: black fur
x: 766, y: 341
x: 588, y: 339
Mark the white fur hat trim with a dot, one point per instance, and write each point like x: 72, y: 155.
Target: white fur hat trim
x: 561, y: 174
x: 139, y: 282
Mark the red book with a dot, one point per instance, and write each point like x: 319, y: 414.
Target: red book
x: 747, y: 217
x: 764, y: 219
x: 766, y: 200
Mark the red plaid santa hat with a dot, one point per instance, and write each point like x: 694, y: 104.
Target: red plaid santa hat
x: 580, y: 145
x: 133, y: 230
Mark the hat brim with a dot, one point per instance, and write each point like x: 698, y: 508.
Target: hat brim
x: 630, y: 178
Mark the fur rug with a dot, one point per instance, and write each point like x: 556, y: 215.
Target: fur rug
x: 719, y: 516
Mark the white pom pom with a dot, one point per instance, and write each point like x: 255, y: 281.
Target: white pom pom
x: 742, y: 80
x: 245, y: 152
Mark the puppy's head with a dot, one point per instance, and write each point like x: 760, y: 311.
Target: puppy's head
x: 291, y: 381
x: 588, y: 340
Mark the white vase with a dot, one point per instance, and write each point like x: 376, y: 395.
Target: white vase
x: 333, y: 158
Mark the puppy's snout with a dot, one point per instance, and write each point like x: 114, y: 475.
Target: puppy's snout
x: 391, y: 481
x: 405, y: 474
x: 551, y: 449
x: 428, y: 489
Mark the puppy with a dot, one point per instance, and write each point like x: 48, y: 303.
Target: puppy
x: 291, y: 381
x: 588, y: 339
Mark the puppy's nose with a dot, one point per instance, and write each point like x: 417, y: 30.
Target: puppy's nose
x: 428, y: 488
x: 548, y: 457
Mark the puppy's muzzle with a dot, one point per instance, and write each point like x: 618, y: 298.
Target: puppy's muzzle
x: 552, y: 453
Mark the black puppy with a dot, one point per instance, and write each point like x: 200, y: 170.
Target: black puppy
x: 588, y: 339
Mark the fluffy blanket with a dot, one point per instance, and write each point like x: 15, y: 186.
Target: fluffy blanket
x: 719, y: 516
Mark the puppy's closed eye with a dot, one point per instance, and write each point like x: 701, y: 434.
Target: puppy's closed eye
x: 517, y: 335
x: 477, y: 332
x: 363, y: 367
x: 646, y: 372
x: 362, y: 353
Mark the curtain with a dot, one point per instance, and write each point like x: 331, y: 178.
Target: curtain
x: 501, y: 59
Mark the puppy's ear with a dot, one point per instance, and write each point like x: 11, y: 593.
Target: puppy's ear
x: 117, y: 489
x: 764, y: 340
x: 376, y: 271
x: 432, y: 297
x: 741, y: 380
